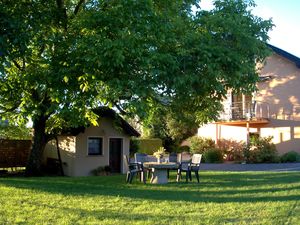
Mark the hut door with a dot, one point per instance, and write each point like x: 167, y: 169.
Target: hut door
x: 115, y: 153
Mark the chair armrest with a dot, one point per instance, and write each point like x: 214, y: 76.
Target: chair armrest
x: 134, y: 165
x: 194, y: 166
x: 140, y: 165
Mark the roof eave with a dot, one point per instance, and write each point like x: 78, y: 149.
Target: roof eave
x: 286, y: 55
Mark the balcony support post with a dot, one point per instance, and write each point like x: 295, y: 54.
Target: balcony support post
x: 217, y: 134
x: 244, y: 106
x: 248, y: 132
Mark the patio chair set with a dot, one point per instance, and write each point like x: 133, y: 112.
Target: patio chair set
x: 146, y: 165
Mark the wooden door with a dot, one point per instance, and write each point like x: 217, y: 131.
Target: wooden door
x: 115, y: 154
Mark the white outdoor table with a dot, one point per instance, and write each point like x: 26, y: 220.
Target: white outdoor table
x: 160, y: 174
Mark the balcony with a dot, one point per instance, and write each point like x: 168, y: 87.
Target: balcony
x: 250, y: 111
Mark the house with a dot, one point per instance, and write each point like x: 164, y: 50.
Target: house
x: 273, y: 110
x: 85, y: 149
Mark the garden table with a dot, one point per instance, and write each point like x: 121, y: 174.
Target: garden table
x: 160, y: 174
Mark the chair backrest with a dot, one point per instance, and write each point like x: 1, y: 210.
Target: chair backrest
x: 179, y: 157
x: 185, y: 157
x: 126, y: 161
x: 173, y: 157
x: 150, y: 158
x: 140, y: 157
x: 196, y: 158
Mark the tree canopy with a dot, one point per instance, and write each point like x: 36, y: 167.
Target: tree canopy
x: 171, y: 126
x: 14, y: 131
x: 60, y: 59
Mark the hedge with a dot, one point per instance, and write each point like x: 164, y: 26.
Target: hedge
x: 148, y: 145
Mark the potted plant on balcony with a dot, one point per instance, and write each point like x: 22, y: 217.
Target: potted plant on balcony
x: 159, y: 153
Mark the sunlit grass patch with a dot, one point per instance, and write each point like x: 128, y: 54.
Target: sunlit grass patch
x: 220, y: 198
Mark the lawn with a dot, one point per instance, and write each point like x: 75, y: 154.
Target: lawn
x: 220, y: 198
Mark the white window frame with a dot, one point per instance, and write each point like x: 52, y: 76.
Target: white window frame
x: 87, y: 144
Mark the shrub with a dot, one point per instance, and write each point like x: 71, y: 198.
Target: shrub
x: 231, y: 149
x: 260, y: 150
x: 183, y: 149
x: 133, y: 146
x: 101, y: 170
x: 148, y: 145
x: 200, y: 145
x: 213, y: 155
x: 144, y: 145
x: 291, y: 156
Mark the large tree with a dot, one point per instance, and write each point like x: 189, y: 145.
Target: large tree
x: 171, y: 125
x: 60, y: 59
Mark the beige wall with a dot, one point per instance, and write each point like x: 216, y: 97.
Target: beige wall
x: 67, y: 150
x: 224, y: 132
x: 76, y: 161
x: 282, y: 91
x: 286, y: 134
x: 84, y: 163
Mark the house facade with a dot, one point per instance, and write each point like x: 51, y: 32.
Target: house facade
x: 86, y: 149
x: 274, y: 110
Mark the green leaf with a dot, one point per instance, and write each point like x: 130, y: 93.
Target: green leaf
x: 66, y: 79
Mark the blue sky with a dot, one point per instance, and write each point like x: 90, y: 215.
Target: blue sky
x: 286, y: 17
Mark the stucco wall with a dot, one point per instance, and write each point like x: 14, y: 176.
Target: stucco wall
x: 67, y: 151
x: 282, y: 91
x: 84, y: 163
x: 285, y: 133
x: 282, y: 94
x: 224, y: 132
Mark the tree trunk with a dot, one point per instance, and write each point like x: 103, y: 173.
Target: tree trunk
x: 59, y: 157
x: 33, y: 167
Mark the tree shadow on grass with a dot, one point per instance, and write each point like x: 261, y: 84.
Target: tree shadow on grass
x: 214, y: 187
x: 127, y: 216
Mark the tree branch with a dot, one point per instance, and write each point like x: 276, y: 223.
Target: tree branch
x: 13, y: 108
x: 122, y: 112
x: 60, y: 4
x: 17, y: 65
x: 78, y: 6
x: 23, y: 62
x: 63, y: 12
x: 42, y: 49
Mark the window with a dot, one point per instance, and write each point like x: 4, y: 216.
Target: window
x: 95, y: 146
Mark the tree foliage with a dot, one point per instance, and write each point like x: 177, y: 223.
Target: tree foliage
x: 171, y: 126
x: 14, y: 131
x: 60, y: 59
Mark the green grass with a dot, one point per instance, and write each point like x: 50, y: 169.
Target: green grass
x: 220, y: 198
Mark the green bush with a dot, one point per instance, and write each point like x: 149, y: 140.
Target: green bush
x: 260, y: 150
x: 213, y: 155
x: 200, y: 144
x: 206, y: 146
x: 291, y: 156
x: 101, y: 170
x: 183, y: 149
x: 133, y: 146
x: 232, y: 150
